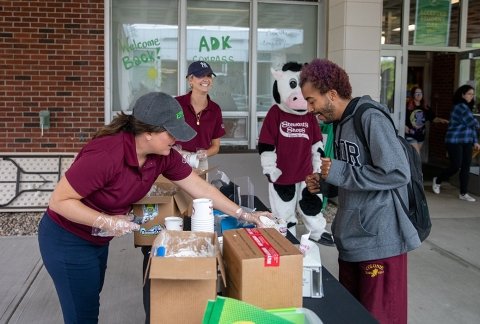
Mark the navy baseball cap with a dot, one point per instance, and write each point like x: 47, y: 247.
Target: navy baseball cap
x: 200, y: 69
x: 161, y: 109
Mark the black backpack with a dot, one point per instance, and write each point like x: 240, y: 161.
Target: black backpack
x: 417, y: 210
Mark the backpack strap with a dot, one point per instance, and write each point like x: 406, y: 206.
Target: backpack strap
x: 357, y: 124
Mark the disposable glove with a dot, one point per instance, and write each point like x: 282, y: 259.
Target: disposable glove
x: 113, y: 226
x: 252, y: 217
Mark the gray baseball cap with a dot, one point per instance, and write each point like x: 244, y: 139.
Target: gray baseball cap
x: 161, y: 109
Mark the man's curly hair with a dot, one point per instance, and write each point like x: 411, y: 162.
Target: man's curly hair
x: 326, y: 75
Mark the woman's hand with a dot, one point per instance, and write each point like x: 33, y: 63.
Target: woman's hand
x: 253, y: 217
x: 113, y: 226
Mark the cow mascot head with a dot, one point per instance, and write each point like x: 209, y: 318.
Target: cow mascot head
x: 290, y: 146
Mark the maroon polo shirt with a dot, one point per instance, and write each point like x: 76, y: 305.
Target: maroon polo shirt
x: 210, y: 123
x: 107, y: 175
x: 293, y: 137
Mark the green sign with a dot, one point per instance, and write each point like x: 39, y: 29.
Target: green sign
x: 432, y: 22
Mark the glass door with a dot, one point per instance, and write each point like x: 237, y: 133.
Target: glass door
x: 391, y: 93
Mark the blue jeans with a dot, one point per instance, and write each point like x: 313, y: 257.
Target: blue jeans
x: 77, y: 268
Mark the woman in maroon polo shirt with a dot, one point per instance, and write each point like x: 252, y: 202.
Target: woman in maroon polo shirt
x: 89, y: 205
x: 201, y: 113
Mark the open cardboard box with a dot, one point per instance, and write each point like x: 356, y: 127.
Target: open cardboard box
x: 180, y: 287
x: 175, y: 202
x: 263, y: 268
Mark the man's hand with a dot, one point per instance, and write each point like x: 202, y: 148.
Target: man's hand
x: 313, y: 183
x: 325, y: 167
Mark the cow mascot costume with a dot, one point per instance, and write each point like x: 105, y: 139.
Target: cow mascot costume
x: 290, y: 146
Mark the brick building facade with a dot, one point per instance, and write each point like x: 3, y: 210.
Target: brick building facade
x: 52, y: 58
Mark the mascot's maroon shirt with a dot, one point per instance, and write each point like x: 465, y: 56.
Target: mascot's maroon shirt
x: 293, y: 137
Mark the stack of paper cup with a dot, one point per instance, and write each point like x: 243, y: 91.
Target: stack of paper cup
x: 202, y: 216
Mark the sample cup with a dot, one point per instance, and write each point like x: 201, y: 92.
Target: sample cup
x: 174, y: 223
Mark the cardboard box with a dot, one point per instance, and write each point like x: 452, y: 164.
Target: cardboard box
x: 180, y: 287
x: 174, y: 202
x: 263, y: 268
x: 171, y: 201
x: 312, y: 273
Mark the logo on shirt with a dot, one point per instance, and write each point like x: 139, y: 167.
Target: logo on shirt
x: 348, y: 152
x: 417, y: 118
x: 374, y: 270
x: 292, y: 130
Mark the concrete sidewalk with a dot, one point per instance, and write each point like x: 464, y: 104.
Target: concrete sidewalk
x: 444, y: 273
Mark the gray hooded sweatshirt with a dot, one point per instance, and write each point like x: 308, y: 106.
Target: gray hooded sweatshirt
x: 370, y: 223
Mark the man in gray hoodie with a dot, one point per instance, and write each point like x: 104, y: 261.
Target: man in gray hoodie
x: 372, y: 233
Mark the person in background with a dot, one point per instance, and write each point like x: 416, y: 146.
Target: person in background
x: 418, y: 113
x: 201, y: 113
x: 372, y: 232
x: 461, y: 138
x: 90, y: 204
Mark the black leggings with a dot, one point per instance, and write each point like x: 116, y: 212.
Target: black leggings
x: 460, y: 156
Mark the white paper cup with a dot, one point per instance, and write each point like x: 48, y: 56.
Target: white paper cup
x: 281, y: 226
x: 305, y: 243
x: 174, y: 223
x: 202, y: 208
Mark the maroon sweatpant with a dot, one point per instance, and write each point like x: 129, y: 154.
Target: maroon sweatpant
x: 379, y: 285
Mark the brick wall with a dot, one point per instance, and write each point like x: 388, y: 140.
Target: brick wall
x: 443, y: 87
x: 51, y: 58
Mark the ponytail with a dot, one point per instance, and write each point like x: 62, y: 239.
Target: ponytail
x: 127, y: 123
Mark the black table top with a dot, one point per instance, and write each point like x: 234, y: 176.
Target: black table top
x: 337, y: 306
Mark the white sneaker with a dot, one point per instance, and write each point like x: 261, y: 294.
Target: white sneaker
x: 435, y: 186
x: 466, y: 197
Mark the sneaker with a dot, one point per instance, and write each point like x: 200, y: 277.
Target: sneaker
x: 435, y: 186
x: 325, y: 239
x: 466, y: 197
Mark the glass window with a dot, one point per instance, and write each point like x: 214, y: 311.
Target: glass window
x: 473, y: 24
x: 392, y: 22
x: 236, y: 130
x: 282, y: 37
x: 218, y: 32
x: 434, y: 23
x: 146, y: 37
x: 387, y: 85
x: 144, y: 49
